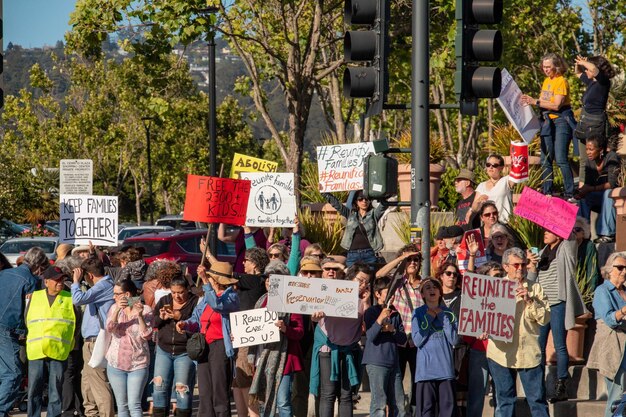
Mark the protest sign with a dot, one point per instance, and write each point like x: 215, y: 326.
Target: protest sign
x: 272, y: 202
x: 336, y: 298
x: 487, y: 306
x: 85, y: 218
x: 245, y: 163
x: 216, y: 200
x: 463, y: 252
x: 76, y: 176
x: 521, y: 117
x: 254, y: 327
x: 551, y: 213
x: 519, y: 162
x: 340, y: 167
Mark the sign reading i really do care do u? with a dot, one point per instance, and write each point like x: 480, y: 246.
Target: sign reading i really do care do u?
x: 85, y: 218
x: 254, y: 327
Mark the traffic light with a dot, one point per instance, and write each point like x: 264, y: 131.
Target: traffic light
x: 380, y: 179
x: 369, y: 46
x: 473, y: 45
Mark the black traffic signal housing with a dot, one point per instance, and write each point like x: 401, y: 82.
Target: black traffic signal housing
x: 380, y: 177
x: 473, y: 45
x: 370, y: 47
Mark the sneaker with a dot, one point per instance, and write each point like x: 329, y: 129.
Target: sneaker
x: 604, y: 239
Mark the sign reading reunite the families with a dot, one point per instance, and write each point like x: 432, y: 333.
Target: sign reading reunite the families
x: 340, y: 167
x: 272, y: 202
x: 76, y: 176
x: 85, y: 218
x: 216, y: 200
x: 336, y: 298
x: 245, y: 163
x: 554, y: 214
x: 487, y: 306
x: 254, y: 327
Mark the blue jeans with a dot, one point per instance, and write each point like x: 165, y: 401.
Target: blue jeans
x: 10, y: 370
x: 128, y: 389
x: 556, y: 147
x: 385, y: 391
x: 615, y: 387
x: 367, y: 256
x: 283, y: 396
x: 506, y: 395
x: 478, y: 371
x: 177, y: 370
x: 36, y: 375
x: 600, y: 202
x: 559, y: 334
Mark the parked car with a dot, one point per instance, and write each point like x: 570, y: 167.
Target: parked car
x: 9, y: 229
x: 176, y: 221
x: 16, y: 247
x: 130, y: 231
x: 182, y: 246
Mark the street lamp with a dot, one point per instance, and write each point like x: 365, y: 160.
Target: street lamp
x: 147, y: 123
x: 212, y: 110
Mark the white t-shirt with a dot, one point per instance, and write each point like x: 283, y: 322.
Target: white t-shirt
x: 501, y: 195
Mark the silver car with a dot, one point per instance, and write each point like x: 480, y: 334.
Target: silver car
x: 16, y: 247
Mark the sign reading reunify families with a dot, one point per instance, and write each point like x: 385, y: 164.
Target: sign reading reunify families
x: 76, y: 176
x: 487, y: 306
x: 340, y: 167
x: 245, y: 163
x: 336, y: 298
x: 216, y: 200
x: 272, y: 201
x: 85, y: 218
x: 254, y: 327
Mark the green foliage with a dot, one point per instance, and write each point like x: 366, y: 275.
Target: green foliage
x: 319, y: 230
x: 448, y: 197
x: 402, y: 225
x: 529, y: 232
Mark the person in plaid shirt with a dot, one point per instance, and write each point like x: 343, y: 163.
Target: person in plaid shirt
x: 406, y: 299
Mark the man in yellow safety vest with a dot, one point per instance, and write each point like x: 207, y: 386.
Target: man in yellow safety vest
x: 51, y: 322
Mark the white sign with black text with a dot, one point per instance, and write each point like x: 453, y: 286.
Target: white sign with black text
x: 272, y: 201
x: 76, y: 176
x: 85, y: 218
x: 254, y: 327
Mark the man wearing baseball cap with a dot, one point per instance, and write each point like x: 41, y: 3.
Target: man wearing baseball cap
x: 464, y: 184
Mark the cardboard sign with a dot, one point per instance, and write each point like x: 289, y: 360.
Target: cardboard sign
x: 551, y: 213
x: 521, y: 117
x: 272, y: 202
x: 463, y: 252
x: 76, y: 176
x: 216, y: 200
x: 85, y: 218
x: 340, y: 167
x: 519, y: 162
x: 245, y: 163
x: 336, y: 298
x: 487, y: 306
x: 254, y: 327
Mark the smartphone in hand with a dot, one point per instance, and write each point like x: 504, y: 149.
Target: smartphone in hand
x: 132, y: 300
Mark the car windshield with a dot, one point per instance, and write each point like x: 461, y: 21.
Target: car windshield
x: 25, y: 245
x: 151, y: 247
x: 126, y: 233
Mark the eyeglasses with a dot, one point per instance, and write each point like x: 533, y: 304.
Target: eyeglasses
x: 274, y: 255
x: 115, y: 294
x: 319, y: 255
x: 362, y: 199
x: 490, y: 214
x: 450, y: 274
x: 578, y: 229
x: 414, y: 259
x: 620, y: 268
x: 498, y: 237
x: 330, y: 269
x: 490, y: 165
x: 518, y: 265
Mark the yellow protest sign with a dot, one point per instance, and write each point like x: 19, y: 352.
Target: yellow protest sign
x: 245, y: 163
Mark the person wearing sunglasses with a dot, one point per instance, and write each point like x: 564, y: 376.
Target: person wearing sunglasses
x: 523, y: 354
x: 555, y: 270
x: 500, y: 241
x: 450, y: 278
x: 497, y: 188
x: 361, y: 239
x: 609, y: 305
x: 588, y: 273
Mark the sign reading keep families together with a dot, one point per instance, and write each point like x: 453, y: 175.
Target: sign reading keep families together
x: 85, y: 218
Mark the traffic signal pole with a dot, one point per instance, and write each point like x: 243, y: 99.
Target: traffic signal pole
x: 420, y: 128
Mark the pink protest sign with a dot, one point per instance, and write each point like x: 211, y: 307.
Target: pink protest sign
x: 553, y: 214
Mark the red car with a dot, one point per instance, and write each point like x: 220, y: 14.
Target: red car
x: 182, y: 246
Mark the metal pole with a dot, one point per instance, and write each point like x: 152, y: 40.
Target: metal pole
x: 212, y: 126
x: 147, y: 122
x: 420, y: 129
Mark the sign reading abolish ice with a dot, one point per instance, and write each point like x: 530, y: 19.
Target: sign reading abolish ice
x: 554, y: 214
x: 340, y: 167
x: 336, y: 298
x: 487, y: 306
x: 216, y: 200
x: 85, y: 218
x: 272, y: 202
x: 245, y: 163
x: 76, y: 176
x: 254, y: 327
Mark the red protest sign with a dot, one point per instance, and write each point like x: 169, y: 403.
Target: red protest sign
x: 216, y: 200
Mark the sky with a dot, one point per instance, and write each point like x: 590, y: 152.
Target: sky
x: 35, y: 23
